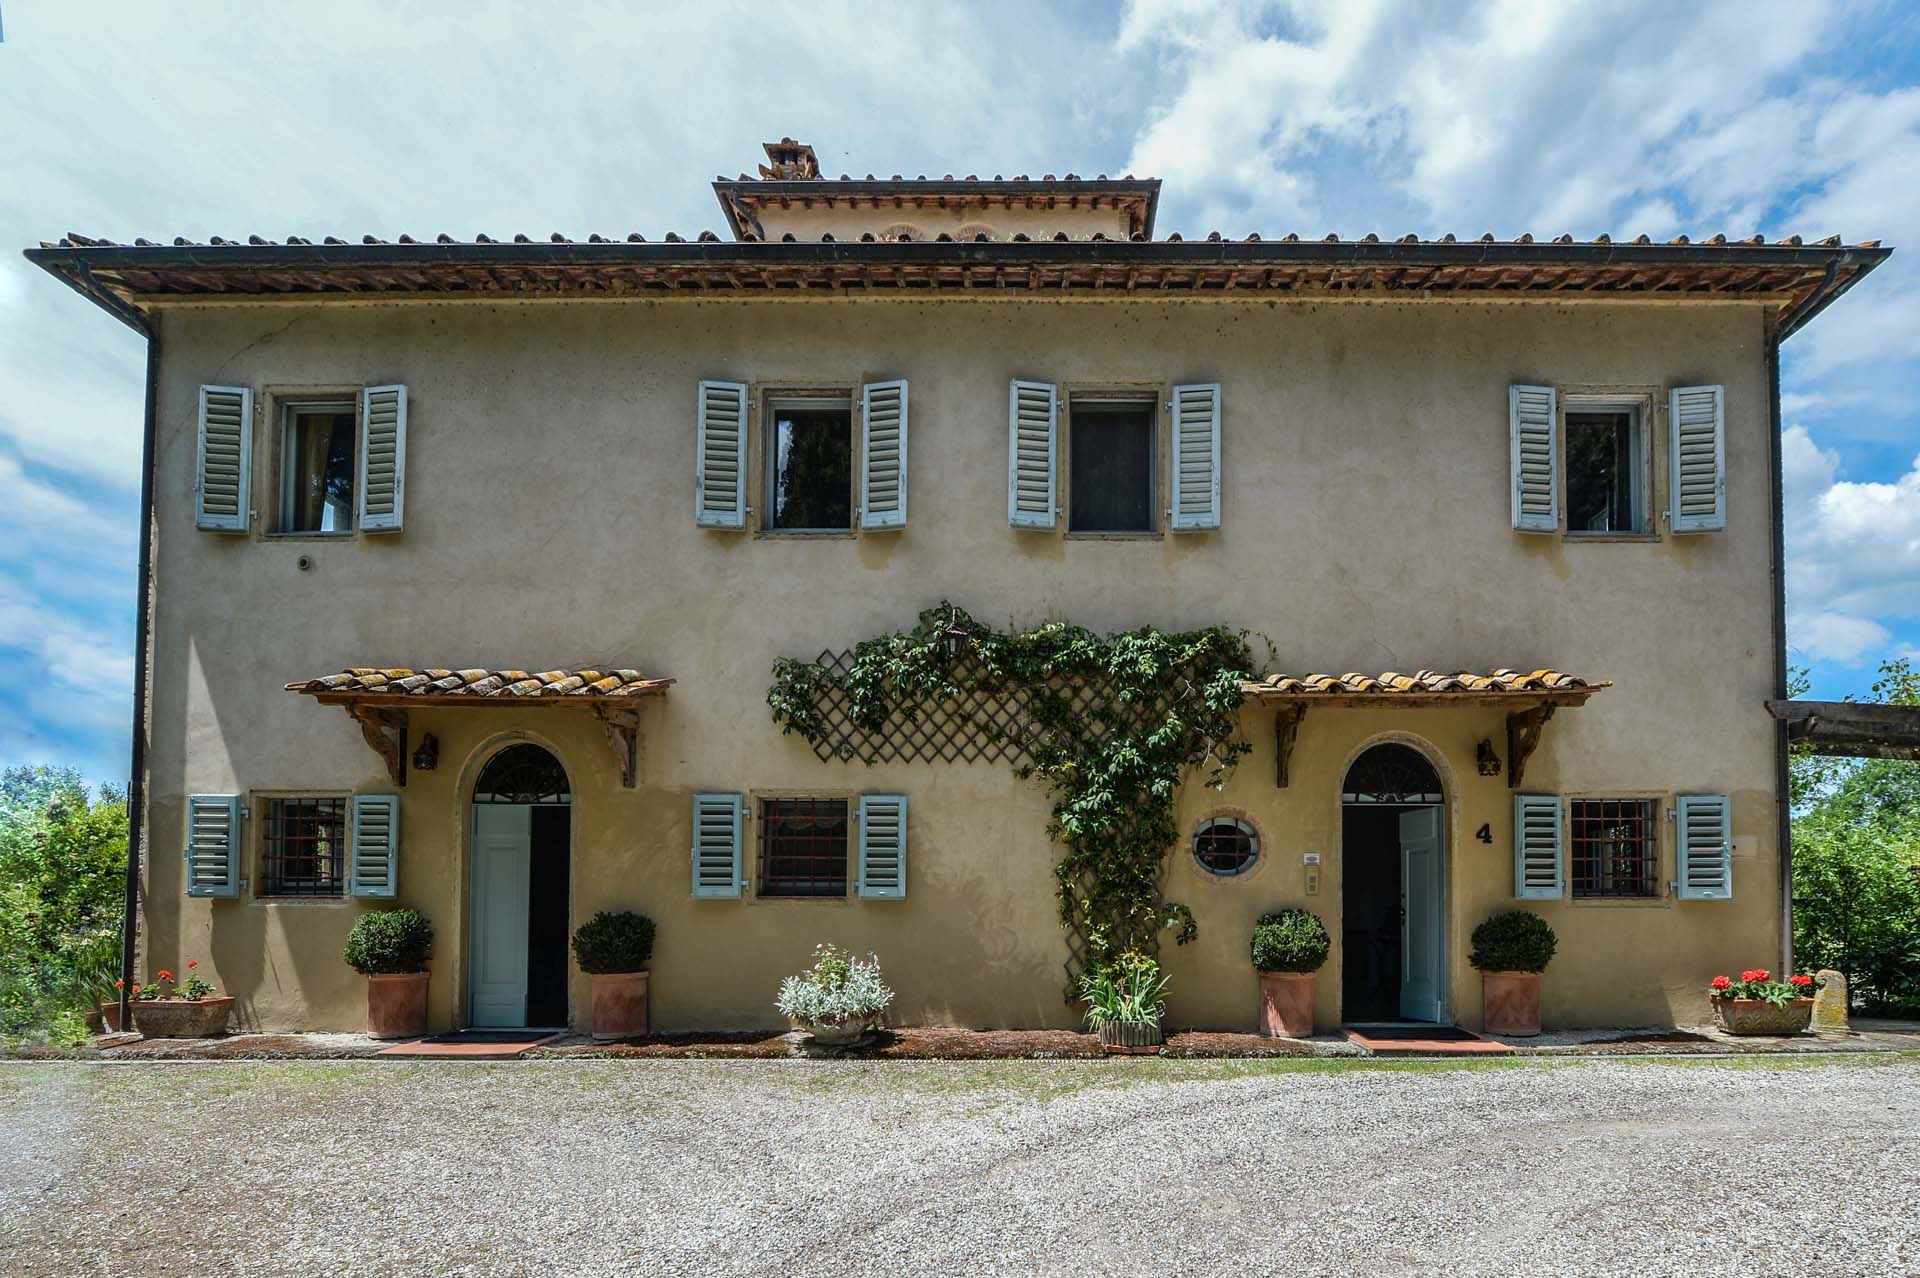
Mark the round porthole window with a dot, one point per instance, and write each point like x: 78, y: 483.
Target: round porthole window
x: 1225, y: 846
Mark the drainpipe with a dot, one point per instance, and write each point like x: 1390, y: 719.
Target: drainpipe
x: 1783, y: 803
x: 143, y: 625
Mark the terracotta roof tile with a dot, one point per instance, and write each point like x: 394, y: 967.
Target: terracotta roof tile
x: 1422, y: 682
x: 481, y: 683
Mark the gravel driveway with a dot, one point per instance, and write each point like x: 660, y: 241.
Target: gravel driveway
x: 1003, y: 1167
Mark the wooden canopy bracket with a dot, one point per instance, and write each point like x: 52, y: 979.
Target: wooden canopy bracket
x: 622, y: 724
x: 1286, y: 727
x: 1523, y: 735
x: 376, y: 723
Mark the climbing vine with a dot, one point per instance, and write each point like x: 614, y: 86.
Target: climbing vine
x: 1111, y: 723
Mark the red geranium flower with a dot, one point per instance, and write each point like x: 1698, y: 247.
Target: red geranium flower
x: 1722, y: 983
x: 1754, y: 974
x: 1801, y: 979
x: 119, y: 985
x: 192, y: 963
x: 165, y: 975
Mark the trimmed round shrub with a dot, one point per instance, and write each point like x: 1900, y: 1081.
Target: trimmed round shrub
x: 389, y: 943
x: 1515, y: 941
x: 614, y: 941
x: 1290, y: 941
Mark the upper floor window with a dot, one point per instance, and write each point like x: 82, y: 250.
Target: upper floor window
x: 1110, y: 466
x: 317, y: 467
x: 1606, y: 472
x: 809, y: 464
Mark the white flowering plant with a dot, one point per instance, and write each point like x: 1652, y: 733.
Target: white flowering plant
x: 838, y: 988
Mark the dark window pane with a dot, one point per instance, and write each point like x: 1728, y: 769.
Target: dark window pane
x: 803, y: 847
x: 1613, y: 850
x: 1601, y: 473
x: 306, y: 842
x: 811, y: 453
x: 1224, y: 847
x: 318, y: 493
x: 1112, y: 468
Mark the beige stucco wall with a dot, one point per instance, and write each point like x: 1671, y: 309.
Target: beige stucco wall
x: 549, y: 523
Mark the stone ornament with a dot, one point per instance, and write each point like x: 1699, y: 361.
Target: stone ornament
x: 1830, y: 1003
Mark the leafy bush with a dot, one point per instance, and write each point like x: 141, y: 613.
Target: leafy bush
x: 614, y: 941
x: 1131, y: 988
x: 1290, y: 941
x: 836, y: 989
x: 1515, y: 941
x: 389, y: 943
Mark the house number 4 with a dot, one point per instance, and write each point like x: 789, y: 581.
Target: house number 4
x: 1485, y: 832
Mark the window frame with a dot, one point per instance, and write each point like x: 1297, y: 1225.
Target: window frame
x: 1153, y: 396
x: 282, y: 403
x: 762, y: 836
x: 766, y: 402
x: 1641, y: 403
x: 257, y: 805
x: 1247, y: 826
x: 1659, y: 871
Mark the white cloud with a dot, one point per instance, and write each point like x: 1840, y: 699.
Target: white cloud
x: 1853, y: 551
x: 1832, y: 636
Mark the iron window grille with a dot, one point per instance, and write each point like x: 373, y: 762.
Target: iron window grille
x: 1613, y: 848
x: 803, y: 847
x: 1225, y: 846
x: 306, y: 848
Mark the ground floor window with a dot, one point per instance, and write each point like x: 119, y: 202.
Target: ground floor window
x: 803, y: 847
x: 305, y: 847
x: 1613, y: 849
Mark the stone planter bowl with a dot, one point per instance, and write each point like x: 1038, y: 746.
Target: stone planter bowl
x: 840, y: 1033
x: 1757, y: 1016
x: 1129, y: 1038
x: 182, y: 1017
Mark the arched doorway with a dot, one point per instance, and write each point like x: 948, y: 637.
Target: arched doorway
x: 517, y: 958
x: 1393, y: 887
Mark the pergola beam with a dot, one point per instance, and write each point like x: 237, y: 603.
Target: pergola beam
x: 1852, y: 729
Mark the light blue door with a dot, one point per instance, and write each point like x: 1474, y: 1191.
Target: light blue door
x: 502, y: 856
x: 1420, y: 863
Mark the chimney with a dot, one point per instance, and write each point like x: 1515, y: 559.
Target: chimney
x: 791, y: 162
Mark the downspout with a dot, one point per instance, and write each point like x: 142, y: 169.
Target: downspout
x: 143, y: 626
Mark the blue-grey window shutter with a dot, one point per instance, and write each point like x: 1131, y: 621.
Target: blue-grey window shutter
x: 883, y: 453
x: 1033, y: 414
x: 1533, y: 429
x: 720, y: 463
x: 1703, y: 842
x: 383, y: 458
x: 1536, y: 847
x: 1697, y: 427
x: 374, y: 844
x: 883, y: 847
x: 223, y: 466
x: 1195, y: 497
x: 716, y: 845
x: 213, y: 845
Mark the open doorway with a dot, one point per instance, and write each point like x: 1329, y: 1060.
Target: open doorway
x: 1393, y: 860
x: 522, y: 830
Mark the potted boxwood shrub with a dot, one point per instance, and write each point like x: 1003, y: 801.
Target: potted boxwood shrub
x: 390, y: 948
x: 1125, y: 1001
x: 1758, y: 1004
x: 838, y: 1001
x: 186, y: 1009
x: 1289, y: 946
x: 1511, y: 950
x: 613, y: 947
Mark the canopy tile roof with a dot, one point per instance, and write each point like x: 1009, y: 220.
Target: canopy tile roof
x: 1425, y: 686
x: 398, y: 682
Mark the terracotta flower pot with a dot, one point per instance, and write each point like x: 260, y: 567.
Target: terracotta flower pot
x: 1286, y: 1004
x: 397, y: 1005
x: 1129, y: 1038
x: 1757, y: 1016
x: 109, y: 1018
x: 619, y: 1004
x: 182, y: 1017
x: 1510, y: 1003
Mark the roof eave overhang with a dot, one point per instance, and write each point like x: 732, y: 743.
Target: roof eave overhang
x: 736, y: 194
x: 1514, y: 699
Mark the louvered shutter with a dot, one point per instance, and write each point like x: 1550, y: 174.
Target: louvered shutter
x: 716, y: 845
x: 213, y: 845
x: 224, y: 464
x: 1704, y: 841
x: 883, y: 847
x: 883, y: 446
x: 1697, y: 424
x: 1536, y: 847
x: 721, y: 467
x: 1196, y: 457
x: 383, y: 458
x: 374, y: 844
x: 1531, y: 414
x: 1033, y: 412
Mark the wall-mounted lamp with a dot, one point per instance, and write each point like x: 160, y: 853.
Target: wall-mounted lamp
x: 1489, y: 761
x: 954, y: 640
x: 427, y: 755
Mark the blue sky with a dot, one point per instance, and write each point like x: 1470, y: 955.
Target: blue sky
x: 211, y: 119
